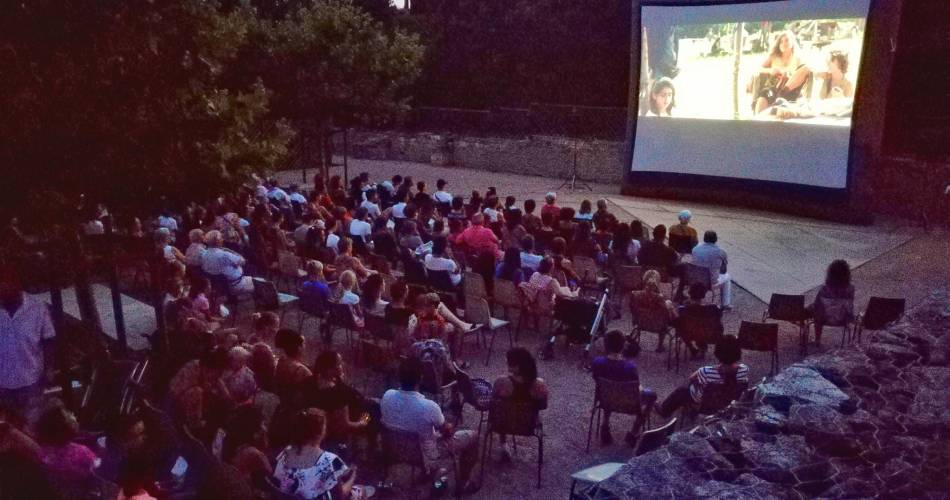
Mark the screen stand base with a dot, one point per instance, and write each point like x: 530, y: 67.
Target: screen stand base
x: 574, y: 182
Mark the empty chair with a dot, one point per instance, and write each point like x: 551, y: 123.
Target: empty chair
x: 762, y: 337
x: 340, y: 317
x: 614, y: 397
x: 880, y: 313
x: 477, y: 311
x: 473, y: 284
x: 267, y: 298
x: 790, y: 308
x: 655, y: 438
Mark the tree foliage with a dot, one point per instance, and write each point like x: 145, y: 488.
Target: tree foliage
x: 127, y: 101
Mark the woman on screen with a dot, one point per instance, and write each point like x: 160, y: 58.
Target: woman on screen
x: 662, y: 98
x: 783, y: 73
x: 836, y: 84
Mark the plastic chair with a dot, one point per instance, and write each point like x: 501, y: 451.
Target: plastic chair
x: 267, y: 298
x: 791, y: 309
x: 402, y: 447
x: 701, y: 325
x: 473, y: 285
x: 289, y: 267
x: 477, y: 311
x: 465, y: 385
x: 653, y: 320
x: 340, y: 317
x: 311, y: 306
x: 507, y: 296
x: 514, y: 417
x: 880, y: 313
x: 655, y: 438
x: 699, y: 274
x: 762, y: 337
x: 614, y: 397
x: 586, y: 269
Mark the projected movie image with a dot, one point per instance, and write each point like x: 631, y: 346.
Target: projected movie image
x: 798, y: 71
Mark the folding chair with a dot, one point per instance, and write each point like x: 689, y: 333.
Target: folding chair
x: 477, y: 311
x: 791, y: 309
x: 762, y: 337
x: 614, y: 397
x: 880, y: 313
x: 267, y: 298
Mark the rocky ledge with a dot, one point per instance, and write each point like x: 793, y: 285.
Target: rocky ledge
x: 861, y: 422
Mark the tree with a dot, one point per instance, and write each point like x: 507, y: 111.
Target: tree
x: 124, y: 102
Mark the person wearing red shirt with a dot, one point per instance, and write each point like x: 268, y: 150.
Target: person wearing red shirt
x: 550, y: 206
x: 478, y: 239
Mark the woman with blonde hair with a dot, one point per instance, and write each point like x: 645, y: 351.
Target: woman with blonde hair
x: 651, y: 299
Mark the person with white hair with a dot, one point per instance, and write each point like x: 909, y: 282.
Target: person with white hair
x: 550, y: 205
x: 222, y: 262
x: 683, y: 237
x: 196, y: 249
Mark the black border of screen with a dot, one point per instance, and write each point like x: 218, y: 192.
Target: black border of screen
x: 818, y: 201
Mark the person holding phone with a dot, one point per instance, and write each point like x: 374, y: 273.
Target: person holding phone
x: 348, y: 412
x: 306, y: 470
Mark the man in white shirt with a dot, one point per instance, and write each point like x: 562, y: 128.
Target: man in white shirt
x: 441, y: 195
x: 300, y: 233
x: 707, y: 254
x: 398, y: 210
x: 437, y: 261
x: 390, y: 186
x: 295, y: 196
x: 219, y: 261
x: 406, y: 409
x: 359, y: 228
x: 371, y: 203
x: 167, y: 221
x: 26, y: 335
x: 529, y: 259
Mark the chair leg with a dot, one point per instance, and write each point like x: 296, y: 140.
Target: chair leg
x: 491, y: 345
x: 590, y: 426
x: 540, y: 458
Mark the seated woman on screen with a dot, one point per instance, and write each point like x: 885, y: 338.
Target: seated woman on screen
x: 662, y: 98
x: 836, y: 84
x: 785, y: 74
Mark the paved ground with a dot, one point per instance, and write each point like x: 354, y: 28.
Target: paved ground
x: 910, y: 270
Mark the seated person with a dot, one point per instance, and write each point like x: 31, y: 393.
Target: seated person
x: 346, y: 410
x: 62, y: 457
x: 709, y: 255
x: 684, y: 233
x: 563, y: 269
x: 650, y: 298
x: 396, y: 312
x: 198, y: 392
x: 433, y: 320
x: 126, y: 438
x: 406, y: 409
x: 729, y: 371
x: 305, y: 470
x: 345, y: 260
x: 529, y: 259
x: 835, y: 83
x: 220, y: 261
x: 521, y: 384
x: 785, y: 71
x: 371, y: 300
x: 315, y: 287
x: 542, y: 289
x: 510, y: 267
x: 291, y: 371
x: 439, y: 261
x: 834, y: 303
x: 695, y: 308
x: 245, y: 444
x: 656, y: 253
x: 618, y: 366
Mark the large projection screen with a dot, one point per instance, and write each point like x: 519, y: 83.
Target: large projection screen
x: 758, y: 91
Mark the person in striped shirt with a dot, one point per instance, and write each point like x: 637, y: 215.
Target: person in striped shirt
x: 728, y: 371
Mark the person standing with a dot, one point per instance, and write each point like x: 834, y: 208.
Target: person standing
x: 26, y: 335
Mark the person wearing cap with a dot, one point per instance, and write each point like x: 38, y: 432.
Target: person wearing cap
x: 550, y: 206
x: 26, y: 335
x: 683, y: 232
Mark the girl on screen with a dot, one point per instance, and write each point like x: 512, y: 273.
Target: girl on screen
x: 836, y: 84
x: 783, y: 73
x: 662, y: 98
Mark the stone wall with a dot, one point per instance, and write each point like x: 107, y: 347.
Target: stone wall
x: 868, y: 422
x: 547, y: 156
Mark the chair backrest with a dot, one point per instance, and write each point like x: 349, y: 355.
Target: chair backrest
x: 379, y: 263
x: 758, y: 336
x: 506, y: 293
x: 401, y: 447
x: 618, y: 397
x: 836, y: 311
x: 477, y: 311
x: 586, y: 268
x: 716, y: 397
x: 474, y: 285
x: 415, y: 271
x: 787, y: 307
x: 652, y: 319
x: 265, y: 296
x: 312, y: 302
x: 513, y: 416
x: 629, y: 278
x: 440, y: 279
x: 288, y: 264
x: 655, y: 438
x: 703, y: 324
x: 697, y: 274
x: 388, y: 281
x: 881, y: 312
x: 341, y: 315
x: 378, y: 327
x: 681, y: 243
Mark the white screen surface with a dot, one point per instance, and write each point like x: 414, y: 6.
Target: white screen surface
x: 759, y: 91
